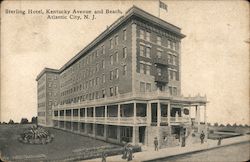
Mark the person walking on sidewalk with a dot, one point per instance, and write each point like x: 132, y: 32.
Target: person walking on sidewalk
x: 130, y: 153
x: 183, y: 141
x: 104, y: 157
x: 156, y: 143
x: 219, y: 141
x: 202, y: 136
x: 125, y: 151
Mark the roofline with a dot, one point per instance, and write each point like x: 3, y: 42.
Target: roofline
x: 47, y: 70
x: 133, y: 11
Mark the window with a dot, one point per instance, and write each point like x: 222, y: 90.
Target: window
x: 148, y: 87
x: 103, y: 93
x: 50, y: 103
x: 111, y: 91
x: 142, y: 50
x: 168, y: 43
x: 174, y: 45
x: 96, y: 95
x: 90, y: 58
x: 159, y: 71
x: 116, y: 90
x: 148, y: 51
x: 103, y: 49
x: 124, y: 70
x: 87, y: 60
x: 148, y: 69
x: 142, y: 87
x: 103, y: 78
x: 177, y: 46
x: 171, y: 44
x: 111, y: 43
x: 93, y: 56
x: 174, y: 91
x: 171, y: 59
x: 124, y: 52
x: 50, y: 84
x: 159, y: 54
x: 116, y: 57
x: 97, y: 53
x: 103, y: 64
x: 111, y: 75
x: 158, y: 40
x: 174, y: 75
x: 50, y: 94
x: 97, y: 81
x: 171, y: 74
x: 141, y: 68
x: 174, y: 60
x: 116, y: 40
x: 141, y: 34
x: 124, y: 36
x: 111, y: 60
x: 116, y: 73
x: 170, y: 90
x: 97, y: 67
x: 147, y: 36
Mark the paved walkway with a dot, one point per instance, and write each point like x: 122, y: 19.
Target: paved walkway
x: 150, y: 154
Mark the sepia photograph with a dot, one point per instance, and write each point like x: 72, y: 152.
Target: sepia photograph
x: 132, y: 80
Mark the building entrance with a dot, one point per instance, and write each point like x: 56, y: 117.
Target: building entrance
x: 142, y: 135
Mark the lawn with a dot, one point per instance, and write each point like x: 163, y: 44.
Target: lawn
x: 64, y: 145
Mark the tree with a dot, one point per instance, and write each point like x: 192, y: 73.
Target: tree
x: 222, y: 125
x: 24, y: 121
x: 228, y: 125
x: 34, y: 120
x: 216, y: 124
x: 11, y: 122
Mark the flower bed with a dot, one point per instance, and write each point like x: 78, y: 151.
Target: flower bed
x: 36, y: 135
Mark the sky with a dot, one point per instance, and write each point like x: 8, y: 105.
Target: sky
x: 214, y: 59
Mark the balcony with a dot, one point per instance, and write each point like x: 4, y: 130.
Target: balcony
x: 176, y: 119
x: 108, y: 120
x: 161, y: 61
x: 161, y: 79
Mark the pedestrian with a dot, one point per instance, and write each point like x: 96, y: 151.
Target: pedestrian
x: 125, y: 151
x: 183, y: 141
x: 104, y: 157
x: 156, y: 143
x: 219, y: 141
x: 130, y: 153
x: 202, y: 136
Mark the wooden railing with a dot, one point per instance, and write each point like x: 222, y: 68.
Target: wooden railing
x: 146, y: 95
x: 108, y: 120
x: 176, y: 119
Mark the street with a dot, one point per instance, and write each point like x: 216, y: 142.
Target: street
x: 238, y: 152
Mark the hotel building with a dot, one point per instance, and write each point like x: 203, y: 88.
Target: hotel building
x: 124, y: 86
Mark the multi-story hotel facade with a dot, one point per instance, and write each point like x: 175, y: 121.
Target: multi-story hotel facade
x: 124, y: 86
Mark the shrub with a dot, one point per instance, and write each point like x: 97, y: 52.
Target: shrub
x: 216, y: 124
x: 34, y: 120
x: 11, y: 122
x: 24, y: 121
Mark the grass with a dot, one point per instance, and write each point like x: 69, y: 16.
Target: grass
x: 62, y: 147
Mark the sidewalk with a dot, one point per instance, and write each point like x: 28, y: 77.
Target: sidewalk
x: 173, y: 151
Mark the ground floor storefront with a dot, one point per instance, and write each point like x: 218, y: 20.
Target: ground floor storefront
x: 167, y: 136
